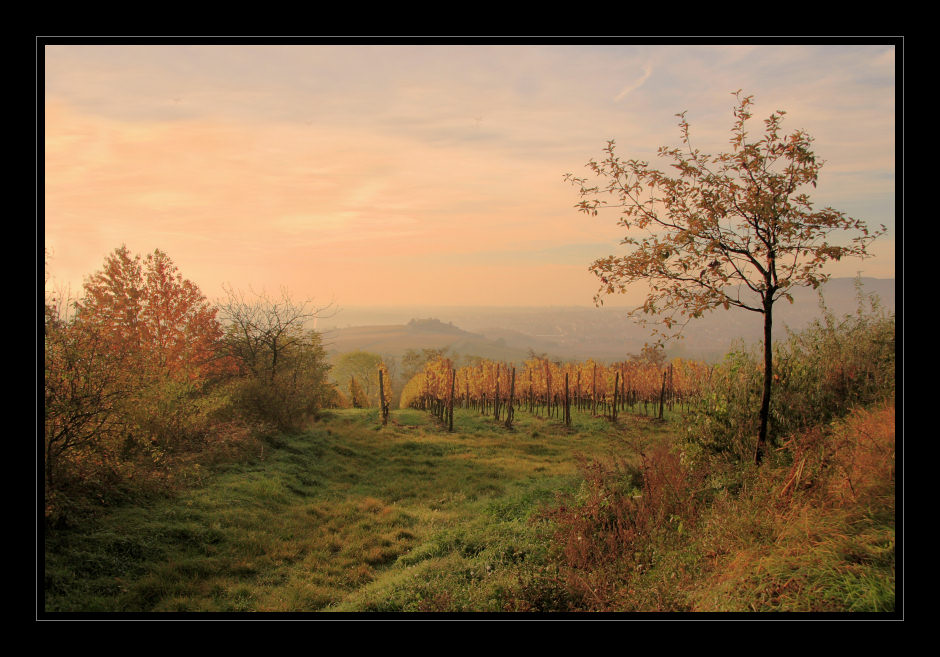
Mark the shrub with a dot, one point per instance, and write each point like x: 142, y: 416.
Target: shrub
x: 820, y: 374
x: 834, y: 366
x: 606, y: 534
x: 283, y: 365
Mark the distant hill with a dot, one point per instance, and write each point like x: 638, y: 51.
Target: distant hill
x: 394, y: 340
x: 577, y: 332
x: 434, y: 326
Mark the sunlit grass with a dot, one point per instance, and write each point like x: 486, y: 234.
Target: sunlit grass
x: 348, y: 516
x: 355, y: 517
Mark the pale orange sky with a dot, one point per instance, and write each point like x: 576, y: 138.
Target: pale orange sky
x: 418, y: 175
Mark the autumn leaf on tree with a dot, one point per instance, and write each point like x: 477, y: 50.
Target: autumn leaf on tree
x: 731, y: 230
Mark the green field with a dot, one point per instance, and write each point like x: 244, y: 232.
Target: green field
x: 349, y: 516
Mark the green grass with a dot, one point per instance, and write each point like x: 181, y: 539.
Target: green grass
x: 349, y: 516
x: 355, y: 517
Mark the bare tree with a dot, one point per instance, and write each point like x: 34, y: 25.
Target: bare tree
x: 285, y: 361
x: 260, y: 329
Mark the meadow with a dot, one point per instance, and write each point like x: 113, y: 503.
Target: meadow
x: 351, y: 516
x: 347, y: 516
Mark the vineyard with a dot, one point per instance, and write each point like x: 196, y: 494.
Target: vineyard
x: 545, y: 387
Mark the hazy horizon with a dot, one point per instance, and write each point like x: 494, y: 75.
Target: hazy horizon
x: 580, y: 332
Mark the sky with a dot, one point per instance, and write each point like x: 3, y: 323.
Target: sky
x: 383, y: 175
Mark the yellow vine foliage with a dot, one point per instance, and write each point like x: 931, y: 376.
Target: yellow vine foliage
x: 545, y: 380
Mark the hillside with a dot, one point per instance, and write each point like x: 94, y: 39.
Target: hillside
x: 395, y: 339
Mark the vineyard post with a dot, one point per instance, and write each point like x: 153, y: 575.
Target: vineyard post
x: 623, y: 386
x: 512, y: 393
x: 531, y: 402
x: 453, y: 380
x: 578, y: 393
x: 382, y: 407
x: 672, y: 389
x: 496, y: 396
x: 594, y: 391
x: 616, y: 390
x: 567, y: 403
x: 548, y: 391
x: 662, y: 395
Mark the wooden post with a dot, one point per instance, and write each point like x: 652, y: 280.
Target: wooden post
x: 672, y: 390
x: 531, y: 401
x: 616, y: 390
x: 567, y: 403
x: 594, y: 391
x: 662, y: 395
x: 453, y: 380
x: 496, y: 396
x: 548, y: 390
x: 623, y: 388
x: 512, y: 393
x: 578, y: 393
x: 383, y: 409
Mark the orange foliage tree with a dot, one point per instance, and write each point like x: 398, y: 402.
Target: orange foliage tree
x: 167, y: 333
x: 148, y: 311
x: 127, y: 374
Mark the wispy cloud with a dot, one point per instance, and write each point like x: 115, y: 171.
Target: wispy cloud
x: 630, y: 88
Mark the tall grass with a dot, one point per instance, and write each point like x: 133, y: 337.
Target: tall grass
x: 817, y: 535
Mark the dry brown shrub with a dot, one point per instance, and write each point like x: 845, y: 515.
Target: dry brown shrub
x: 846, y: 461
x: 865, y: 457
x: 603, y: 536
x: 802, y: 531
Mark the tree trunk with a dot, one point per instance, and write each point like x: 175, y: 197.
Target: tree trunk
x: 768, y: 380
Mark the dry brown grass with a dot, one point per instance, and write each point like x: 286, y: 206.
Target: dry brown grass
x: 827, y: 526
x: 814, y: 533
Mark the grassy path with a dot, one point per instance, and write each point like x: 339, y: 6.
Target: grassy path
x: 349, y: 516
